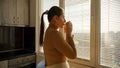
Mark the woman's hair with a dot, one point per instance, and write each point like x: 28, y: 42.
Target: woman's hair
x: 55, y: 10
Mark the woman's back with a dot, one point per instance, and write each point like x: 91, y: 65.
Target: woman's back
x: 52, y: 55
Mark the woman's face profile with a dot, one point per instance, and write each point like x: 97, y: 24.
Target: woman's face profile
x: 61, y: 21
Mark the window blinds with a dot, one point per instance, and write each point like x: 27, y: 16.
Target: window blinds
x: 110, y: 33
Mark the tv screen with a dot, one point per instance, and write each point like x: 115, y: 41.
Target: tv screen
x: 11, y: 38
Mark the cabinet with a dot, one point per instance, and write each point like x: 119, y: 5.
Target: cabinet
x: 33, y: 13
x: 4, y: 11
x: 19, y: 62
x: 4, y: 64
x: 22, y: 12
x: 14, y: 12
x: 0, y: 13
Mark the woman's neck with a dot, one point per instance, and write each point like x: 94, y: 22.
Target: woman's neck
x: 52, y: 26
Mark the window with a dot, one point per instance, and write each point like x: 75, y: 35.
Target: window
x: 78, y: 12
x: 110, y: 33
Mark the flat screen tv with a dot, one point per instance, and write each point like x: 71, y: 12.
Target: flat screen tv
x: 11, y: 38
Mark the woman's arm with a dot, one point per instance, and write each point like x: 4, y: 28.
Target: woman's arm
x: 69, y: 36
x: 65, y: 47
x: 69, y: 39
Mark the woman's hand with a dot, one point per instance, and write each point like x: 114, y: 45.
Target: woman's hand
x: 68, y: 28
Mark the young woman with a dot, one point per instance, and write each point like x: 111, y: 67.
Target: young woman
x: 56, y: 49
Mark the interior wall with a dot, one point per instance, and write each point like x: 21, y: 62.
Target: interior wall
x: 39, y: 9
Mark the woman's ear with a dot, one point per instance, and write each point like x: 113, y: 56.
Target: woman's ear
x: 56, y: 18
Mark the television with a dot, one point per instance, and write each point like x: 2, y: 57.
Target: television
x: 16, y: 38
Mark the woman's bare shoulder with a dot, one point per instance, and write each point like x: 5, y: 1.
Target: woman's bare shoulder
x: 52, y: 32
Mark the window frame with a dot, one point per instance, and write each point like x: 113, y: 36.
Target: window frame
x: 92, y: 37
